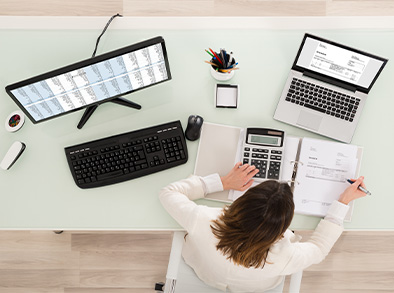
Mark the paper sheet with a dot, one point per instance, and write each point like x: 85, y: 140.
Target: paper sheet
x: 234, y: 194
x: 216, y: 151
x: 226, y: 97
x: 322, y: 174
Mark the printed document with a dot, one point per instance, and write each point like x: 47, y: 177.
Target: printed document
x: 322, y: 173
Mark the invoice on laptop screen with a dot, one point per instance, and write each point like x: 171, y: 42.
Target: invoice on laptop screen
x: 338, y: 62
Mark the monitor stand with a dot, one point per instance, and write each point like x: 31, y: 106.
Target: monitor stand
x: 120, y: 101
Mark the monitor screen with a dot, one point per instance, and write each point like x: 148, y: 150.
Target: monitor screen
x: 92, y: 81
x: 343, y: 63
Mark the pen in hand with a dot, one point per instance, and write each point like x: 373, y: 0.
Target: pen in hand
x: 360, y: 187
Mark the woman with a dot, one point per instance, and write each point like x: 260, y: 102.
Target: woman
x: 246, y: 247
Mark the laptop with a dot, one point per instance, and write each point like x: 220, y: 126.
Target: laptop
x: 327, y: 88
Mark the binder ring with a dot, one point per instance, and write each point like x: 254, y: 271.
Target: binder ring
x: 296, y: 162
x: 293, y: 181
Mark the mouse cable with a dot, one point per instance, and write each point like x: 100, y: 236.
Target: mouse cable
x: 105, y: 28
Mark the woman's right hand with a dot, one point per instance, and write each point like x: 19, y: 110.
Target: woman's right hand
x: 352, y: 192
x: 240, y: 177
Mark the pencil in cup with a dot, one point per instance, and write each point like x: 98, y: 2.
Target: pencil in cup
x: 228, y: 70
x: 222, y: 65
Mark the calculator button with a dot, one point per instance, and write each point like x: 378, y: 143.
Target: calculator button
x: 272, y: 174
x: 247, y: 149
x: 272, y: 157
x: 260, y: 165
x: 274, y: 164
x: 246, y: 161
x: 260, y: 175
x: 246, y: 154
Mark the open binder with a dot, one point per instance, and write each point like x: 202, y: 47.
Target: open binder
x: 315, y: 169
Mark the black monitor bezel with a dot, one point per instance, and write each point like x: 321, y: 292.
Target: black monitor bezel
x: 84, y: 63
x: 336, y: 80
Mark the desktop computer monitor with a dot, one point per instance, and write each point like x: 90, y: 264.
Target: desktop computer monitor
x: 93, y: 81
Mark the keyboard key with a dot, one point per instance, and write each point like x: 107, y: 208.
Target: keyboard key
x: 110, y: 175
x: 314, y: 108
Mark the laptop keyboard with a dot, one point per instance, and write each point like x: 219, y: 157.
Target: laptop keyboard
x: 322, y: 99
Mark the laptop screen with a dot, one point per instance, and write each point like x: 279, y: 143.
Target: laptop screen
x: 337, y: 61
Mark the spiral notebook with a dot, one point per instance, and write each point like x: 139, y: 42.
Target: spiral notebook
x: 315, y: 169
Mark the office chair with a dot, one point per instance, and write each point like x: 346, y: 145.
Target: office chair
x: 181, y: 278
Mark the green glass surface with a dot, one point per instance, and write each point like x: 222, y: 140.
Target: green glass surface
x: 38, y: 192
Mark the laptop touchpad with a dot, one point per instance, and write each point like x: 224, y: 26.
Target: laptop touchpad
x: 309, y: 120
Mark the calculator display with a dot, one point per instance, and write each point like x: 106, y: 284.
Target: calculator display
x: 270, y: 140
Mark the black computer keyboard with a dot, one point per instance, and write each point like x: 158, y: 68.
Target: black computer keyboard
x: 322, y: 99
x: 127, y: 156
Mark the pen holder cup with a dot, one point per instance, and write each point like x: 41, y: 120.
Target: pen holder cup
x: 222, y: 76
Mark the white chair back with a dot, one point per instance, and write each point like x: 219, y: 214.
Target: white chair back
x: 181, y: 278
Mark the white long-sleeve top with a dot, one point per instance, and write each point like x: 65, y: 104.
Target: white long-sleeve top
x: 285, y: 257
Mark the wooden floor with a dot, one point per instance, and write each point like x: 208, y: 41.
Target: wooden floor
x: 103, y: 262
x: 43, y: 262
x: 38, y: 262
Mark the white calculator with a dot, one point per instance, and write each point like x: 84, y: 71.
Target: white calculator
x: 264, y: 148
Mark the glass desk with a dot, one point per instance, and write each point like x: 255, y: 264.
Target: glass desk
x: 38, y: 192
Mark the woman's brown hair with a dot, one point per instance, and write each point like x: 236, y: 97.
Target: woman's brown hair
x: 251, y: 224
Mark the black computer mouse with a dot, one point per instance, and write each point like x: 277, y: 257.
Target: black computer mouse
x: 193, y: 129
